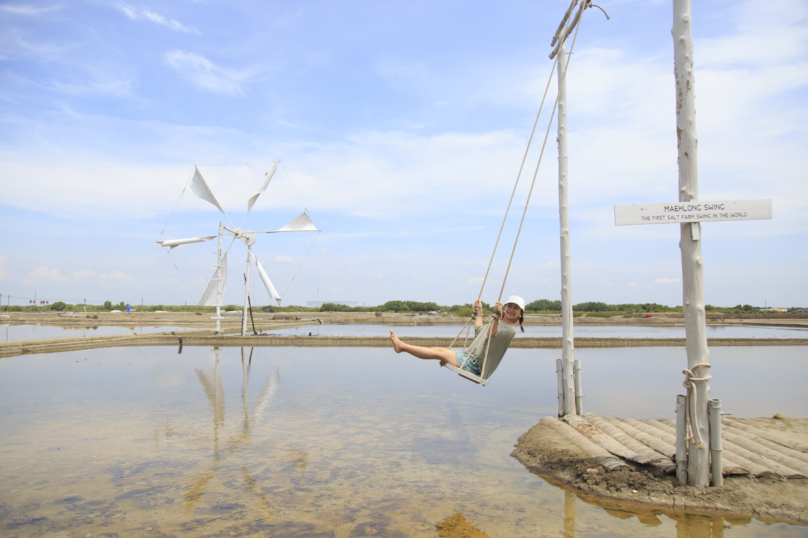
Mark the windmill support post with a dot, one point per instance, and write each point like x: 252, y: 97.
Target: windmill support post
x: 246, y: 295
x: 579, y: 395
x: 698, y: 356
x: 568, y: 351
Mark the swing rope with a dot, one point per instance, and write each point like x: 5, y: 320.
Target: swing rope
x: 494, y: 316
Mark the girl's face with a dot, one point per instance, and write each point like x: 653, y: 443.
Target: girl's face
x: 512, y: 312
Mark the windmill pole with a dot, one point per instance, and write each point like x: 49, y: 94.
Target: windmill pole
x: 568, y: 348
x: 246, y: 295
x: 698, y: 462
x: 219, y: 284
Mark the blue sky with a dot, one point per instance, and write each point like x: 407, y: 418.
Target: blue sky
x: 400, y: 128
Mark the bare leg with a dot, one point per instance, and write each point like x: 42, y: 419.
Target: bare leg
x: 427, y: 353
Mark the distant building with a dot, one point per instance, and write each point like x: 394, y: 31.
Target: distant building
x: 774, y: 309
x: 318, y: 304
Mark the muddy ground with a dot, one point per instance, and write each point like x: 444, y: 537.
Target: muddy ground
x: 644, y: 489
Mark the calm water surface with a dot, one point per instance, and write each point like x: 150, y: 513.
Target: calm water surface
x: 11, y: 333
x: 617, y: 331
x: 330, y: 442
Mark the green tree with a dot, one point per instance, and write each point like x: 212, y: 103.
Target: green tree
x: 108, y: 305
x: 58, y: 305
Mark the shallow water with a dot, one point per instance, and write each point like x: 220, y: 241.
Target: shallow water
x: 329, y: 442
x: 11, y: 333
x: 609, y: 331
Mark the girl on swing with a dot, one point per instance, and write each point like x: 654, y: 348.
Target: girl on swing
x: 502, y: 332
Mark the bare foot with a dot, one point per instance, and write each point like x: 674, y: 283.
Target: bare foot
x: 396, y: 341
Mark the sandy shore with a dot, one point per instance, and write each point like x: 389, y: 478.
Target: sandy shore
x: 647, y: 490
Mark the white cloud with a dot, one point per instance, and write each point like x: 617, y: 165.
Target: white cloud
x: 156, y: 18
x: 378, y: 275
x: 667, y: 280
x: 284, y: 259
x: 467, y: 263
x: 550, y: 265
x: 42, y: 273
x: 341, y: 288
x: 3, y: 272
x: 474, y: 280
x: 632, y: 284
x: 205, y: 73
x: 323, y: 251
x: 78, y: 275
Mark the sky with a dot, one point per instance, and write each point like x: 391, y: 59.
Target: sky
x: 400, y: 129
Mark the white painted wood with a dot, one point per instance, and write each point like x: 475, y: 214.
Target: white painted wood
x: 695, y: 211
x: 698, y: 462
x: 604, y: 440
x: 681, y: 436
x: 716, y: 445
x: 771, y: 436
x: 579, y: 395
x: 219, y: 287
x: 591, y: 449
x: 568, y: 348
x: 560, y: 374
x: 246, y: 294
x: 465, y: 373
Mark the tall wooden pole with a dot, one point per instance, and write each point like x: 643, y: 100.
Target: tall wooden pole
x: 690, y: 243
x: 564, y: 219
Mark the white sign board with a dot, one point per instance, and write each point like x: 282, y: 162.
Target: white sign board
x: 681, y: 212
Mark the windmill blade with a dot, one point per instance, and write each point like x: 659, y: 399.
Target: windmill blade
x: 200, y: 187
x: 171, y: 243
x: 265, y: 279
x: 214, y: 293
x: 300, y: 224
x: 261, y: 188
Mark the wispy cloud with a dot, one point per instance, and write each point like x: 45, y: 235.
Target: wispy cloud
x: 20, y: 9
x: 284, y: 259
x: 3, y: 273
x: 117, y: 275
x: 156, y: 18
x: 43, y: 273
x: 205, y: 73
x: 667, y: 280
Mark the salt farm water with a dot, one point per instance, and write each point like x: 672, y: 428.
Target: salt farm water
x: 327, y: 442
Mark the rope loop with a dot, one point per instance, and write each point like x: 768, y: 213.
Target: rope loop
x: 693, y: 436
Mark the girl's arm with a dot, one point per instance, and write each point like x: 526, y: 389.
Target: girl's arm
x: 478, y: 308
x: 498, y: 309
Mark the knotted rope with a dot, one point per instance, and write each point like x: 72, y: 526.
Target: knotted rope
x: 690, y: 379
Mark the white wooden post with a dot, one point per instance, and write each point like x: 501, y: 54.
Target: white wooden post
x: 681, y: 438
x: 559, y: 372
x: 716, y: 447
x: 246, y: 294
x: 579, y: 395
x: 568, y: 348
x: 690, y: 237
x: 219, y: 285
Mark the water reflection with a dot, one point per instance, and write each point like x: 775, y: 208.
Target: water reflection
x: 314, y: 442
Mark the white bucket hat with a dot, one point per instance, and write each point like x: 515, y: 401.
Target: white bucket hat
x: 518, y: 301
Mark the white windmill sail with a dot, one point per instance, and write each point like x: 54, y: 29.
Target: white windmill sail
x: 265, y: 279
x: 261, y: 188
x: 172, y: 243
x: 199, y: 187
x: 300, y: 224
x: 214, y: 293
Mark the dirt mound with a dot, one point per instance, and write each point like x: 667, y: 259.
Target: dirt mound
x: 770, y: 498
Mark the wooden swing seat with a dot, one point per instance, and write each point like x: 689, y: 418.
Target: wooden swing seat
x: 465, y: 373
